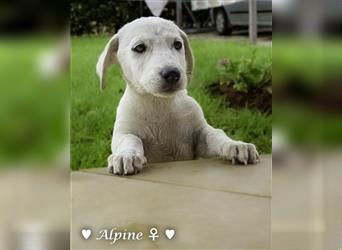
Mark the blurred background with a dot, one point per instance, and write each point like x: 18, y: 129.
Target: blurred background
x: 34, y: 125
x: 307, y: 125
x: 35, y: 92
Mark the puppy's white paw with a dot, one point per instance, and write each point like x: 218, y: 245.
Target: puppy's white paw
x: 240, y: 152
x: 126, y: 163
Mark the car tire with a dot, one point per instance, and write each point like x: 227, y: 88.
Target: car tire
x: 222, y: 23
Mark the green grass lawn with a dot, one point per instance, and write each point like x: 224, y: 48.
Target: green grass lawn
x: 93, y: 112
x: 33, y: 107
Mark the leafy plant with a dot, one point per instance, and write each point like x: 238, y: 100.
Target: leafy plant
x: 246, y: 73
x: 107, y: 17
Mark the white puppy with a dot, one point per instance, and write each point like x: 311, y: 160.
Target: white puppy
x: 156, y: 119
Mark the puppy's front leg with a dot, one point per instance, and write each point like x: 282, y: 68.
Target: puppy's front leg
x: 127, y: 155
x: 214, y: 142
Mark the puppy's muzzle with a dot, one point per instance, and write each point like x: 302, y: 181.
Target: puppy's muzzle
x: 171, y: 77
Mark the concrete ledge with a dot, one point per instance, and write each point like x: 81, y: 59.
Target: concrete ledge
x: 210, y: 204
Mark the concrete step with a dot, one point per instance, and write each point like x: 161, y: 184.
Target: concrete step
x: 210, y: 204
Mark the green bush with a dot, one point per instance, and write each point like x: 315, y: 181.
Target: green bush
x: 246, y: 73
x: 106, y: 17
x: 96, y: 17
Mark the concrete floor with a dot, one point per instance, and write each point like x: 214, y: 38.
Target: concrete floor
x: 210, y: 203
x: 307, y: 201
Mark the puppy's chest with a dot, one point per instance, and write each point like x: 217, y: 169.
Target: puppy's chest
x: 167, y: 140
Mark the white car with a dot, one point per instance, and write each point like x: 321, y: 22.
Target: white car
x: 228, y: 15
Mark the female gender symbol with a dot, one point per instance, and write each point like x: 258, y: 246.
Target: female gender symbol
x: 153, y: 233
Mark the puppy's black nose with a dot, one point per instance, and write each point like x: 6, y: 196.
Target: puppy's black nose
x: 170, y: 74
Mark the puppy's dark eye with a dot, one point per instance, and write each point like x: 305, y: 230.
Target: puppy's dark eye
x: 178, y: 45
x: 140, y: 48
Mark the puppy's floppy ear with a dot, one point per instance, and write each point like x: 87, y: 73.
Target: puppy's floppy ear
x: 188, y: 55
x: 106, y: 59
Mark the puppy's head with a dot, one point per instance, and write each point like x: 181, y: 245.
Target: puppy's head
x: 154, y: 55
